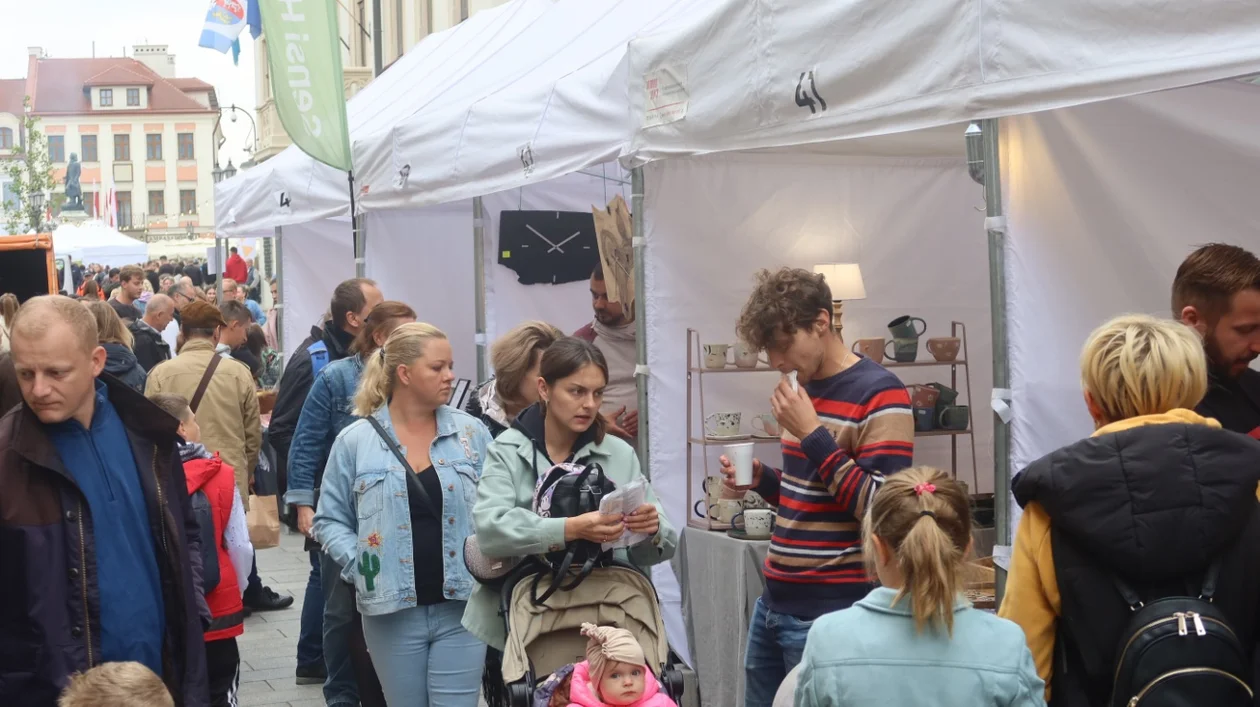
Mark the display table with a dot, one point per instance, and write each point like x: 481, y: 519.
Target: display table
x: 721, y: 580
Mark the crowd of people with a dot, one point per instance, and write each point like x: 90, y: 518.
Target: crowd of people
x: 127, y: 461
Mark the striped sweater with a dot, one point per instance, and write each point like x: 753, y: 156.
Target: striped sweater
x: 814, y: 565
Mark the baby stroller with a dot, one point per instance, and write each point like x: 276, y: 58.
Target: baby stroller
x: 542, y: 639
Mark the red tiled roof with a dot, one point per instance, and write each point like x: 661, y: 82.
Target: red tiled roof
x: 119, y: 76
x: 57, y: 86
x: 12, y: 91
x: 191, y: 84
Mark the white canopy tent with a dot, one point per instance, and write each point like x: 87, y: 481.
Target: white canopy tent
x: 94, y: 242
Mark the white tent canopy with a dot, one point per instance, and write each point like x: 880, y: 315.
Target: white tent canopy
x: 94, y: 242
x: 753, y: 75
x: 456, y: 108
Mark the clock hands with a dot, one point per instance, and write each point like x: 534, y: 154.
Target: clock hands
x: 536, y: 233
x: 557, y: 246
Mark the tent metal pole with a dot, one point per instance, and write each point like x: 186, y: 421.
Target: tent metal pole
x: 640, y: 317
x: 278, y: 247
x: 995, y: 228
x: 479, y: 288
x: 220, y: 251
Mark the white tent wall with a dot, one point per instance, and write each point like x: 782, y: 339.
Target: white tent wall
x: 566, y: 306
x: 424, y: 257
x: 712, y: 222
x: 94, y: 242
x: 1104, y: 201
x: 314, y: 258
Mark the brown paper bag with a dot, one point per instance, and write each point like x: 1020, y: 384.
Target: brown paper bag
x: 263, y: 519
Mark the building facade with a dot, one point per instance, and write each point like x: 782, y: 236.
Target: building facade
x: 403, y: 24
x: 134, y: 126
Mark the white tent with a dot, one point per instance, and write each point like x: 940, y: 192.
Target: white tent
x: 94, y: 242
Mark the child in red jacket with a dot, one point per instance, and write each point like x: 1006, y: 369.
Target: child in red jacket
x: 207, y: 473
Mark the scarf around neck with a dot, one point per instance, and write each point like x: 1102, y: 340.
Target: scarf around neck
x: 192, y: 450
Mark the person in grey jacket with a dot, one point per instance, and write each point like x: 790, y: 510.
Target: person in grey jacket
x: 564, y: 427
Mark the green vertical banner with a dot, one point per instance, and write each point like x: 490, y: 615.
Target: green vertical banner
x: 304, y: 53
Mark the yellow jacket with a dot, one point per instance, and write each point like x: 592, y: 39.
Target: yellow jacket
x: 228, y: 414
x: 1032, y: 589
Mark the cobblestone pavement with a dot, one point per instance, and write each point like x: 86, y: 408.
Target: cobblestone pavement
x: 269, y: 645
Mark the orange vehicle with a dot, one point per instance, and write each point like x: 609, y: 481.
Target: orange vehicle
x: 27, y: 266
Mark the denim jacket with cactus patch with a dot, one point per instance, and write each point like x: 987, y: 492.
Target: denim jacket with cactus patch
x: 364, y: 518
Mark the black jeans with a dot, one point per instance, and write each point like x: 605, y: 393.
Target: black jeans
x: 223, y: 668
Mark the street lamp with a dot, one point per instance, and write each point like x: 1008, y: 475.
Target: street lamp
x: 37, y: 210
x: 252, y: 124
x: 229, y: 171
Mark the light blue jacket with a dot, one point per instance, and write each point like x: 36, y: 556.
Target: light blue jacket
x: 364, y: 519
x: 870, y: 654
x: 326, y: 412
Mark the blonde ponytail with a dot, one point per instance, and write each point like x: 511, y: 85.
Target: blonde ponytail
x: 380, y: 370
x: 923, y: 517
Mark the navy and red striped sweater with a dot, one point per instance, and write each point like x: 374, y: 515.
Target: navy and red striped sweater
x: 814, y: 565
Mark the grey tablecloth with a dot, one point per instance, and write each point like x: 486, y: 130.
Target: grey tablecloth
x: 721, y: 580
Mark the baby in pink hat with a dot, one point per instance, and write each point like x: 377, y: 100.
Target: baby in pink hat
x: 615, y: 673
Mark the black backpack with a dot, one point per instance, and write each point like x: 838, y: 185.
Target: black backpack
x: 1180, y: 650
x: 209, y: 543
x: 569, y: 490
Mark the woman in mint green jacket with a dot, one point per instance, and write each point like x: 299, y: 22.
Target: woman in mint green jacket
x: 565, y: 426
x: 916, y: 640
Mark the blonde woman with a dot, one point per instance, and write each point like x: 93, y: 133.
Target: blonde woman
x: 8, y: 310
x: 120, y: 361
x: 395, y: 508
x: 516, y: 358
x: 1154, y: 499
x: 915, y: 640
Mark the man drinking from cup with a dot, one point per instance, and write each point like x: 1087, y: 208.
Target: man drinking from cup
x: 847, y: 424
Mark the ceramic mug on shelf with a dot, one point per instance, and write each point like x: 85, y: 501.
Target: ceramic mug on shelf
x: 757, y: 524
x: 944, y: 348
x: 947, y: 396
x: 903, y: 327
x: 746, y: 356
x: 715, y: 355
x: 923, y: 396
x: 766, y: 426
x: 722, y: 424
x: 721, y: 511
x: 954, y: 417
x: 903, y: 350
x: 871, y: 348
x: 924, y: 419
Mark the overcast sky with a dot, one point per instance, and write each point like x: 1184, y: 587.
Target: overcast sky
x: 67, y: 29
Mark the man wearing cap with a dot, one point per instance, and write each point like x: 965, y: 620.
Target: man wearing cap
x: 227, y: 407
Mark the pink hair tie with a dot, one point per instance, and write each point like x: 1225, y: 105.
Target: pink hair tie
x: 921, y: 489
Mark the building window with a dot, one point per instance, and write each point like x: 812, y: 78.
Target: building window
x: 107, y: 97
x: 122, y: 148
x: 89, y: 148
x: 6, y: 138
x: 188, y: 201
x: 185, y: 146
x: 133, y: 96
x: 157, y: 203
x: 124, y: 208
x: 56, y: 148
x: 153, y: 147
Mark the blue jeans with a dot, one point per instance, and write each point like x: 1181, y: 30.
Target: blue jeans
x: 340, y: 689
x: 310, y: 646
x: 425, y: 657
x: 775, y: 644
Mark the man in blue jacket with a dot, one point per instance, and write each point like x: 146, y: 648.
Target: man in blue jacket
x: 96, y: 531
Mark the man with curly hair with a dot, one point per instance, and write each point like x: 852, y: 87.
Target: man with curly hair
x: 847, y: 424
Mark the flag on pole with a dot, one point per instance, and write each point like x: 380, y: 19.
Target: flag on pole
x: 224, y: 21
x: 304, y: 53
x: 254, y: 19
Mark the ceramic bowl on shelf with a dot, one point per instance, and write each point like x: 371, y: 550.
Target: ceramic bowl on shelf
x: 944, y: 348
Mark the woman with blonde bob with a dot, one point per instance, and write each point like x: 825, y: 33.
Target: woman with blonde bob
x: 395, y: 508
x: 915, y: 640
x: 516, y: 358
x: 1157, y: 498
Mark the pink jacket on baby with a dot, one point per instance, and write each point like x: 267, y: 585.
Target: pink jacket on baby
x: 583, y: 694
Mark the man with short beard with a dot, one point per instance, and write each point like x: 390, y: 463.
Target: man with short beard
x: 613, y: 332
x: 1217, y: 292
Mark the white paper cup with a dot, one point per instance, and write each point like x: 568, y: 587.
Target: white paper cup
x: 741, y: 456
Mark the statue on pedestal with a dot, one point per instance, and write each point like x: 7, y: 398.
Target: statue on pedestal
x: 74, y: 194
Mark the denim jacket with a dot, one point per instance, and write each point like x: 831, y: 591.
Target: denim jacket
x: 326, y: 412
x: 364, y: 519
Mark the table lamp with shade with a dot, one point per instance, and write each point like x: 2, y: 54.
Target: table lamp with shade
x: 845, y: 282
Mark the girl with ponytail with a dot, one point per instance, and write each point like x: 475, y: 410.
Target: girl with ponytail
x: 395, y: 507
x: 915, y: 640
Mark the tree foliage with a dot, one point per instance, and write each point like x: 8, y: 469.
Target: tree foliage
x: 30, y: 172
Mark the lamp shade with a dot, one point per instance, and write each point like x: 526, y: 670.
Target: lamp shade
x: 844, y: 279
